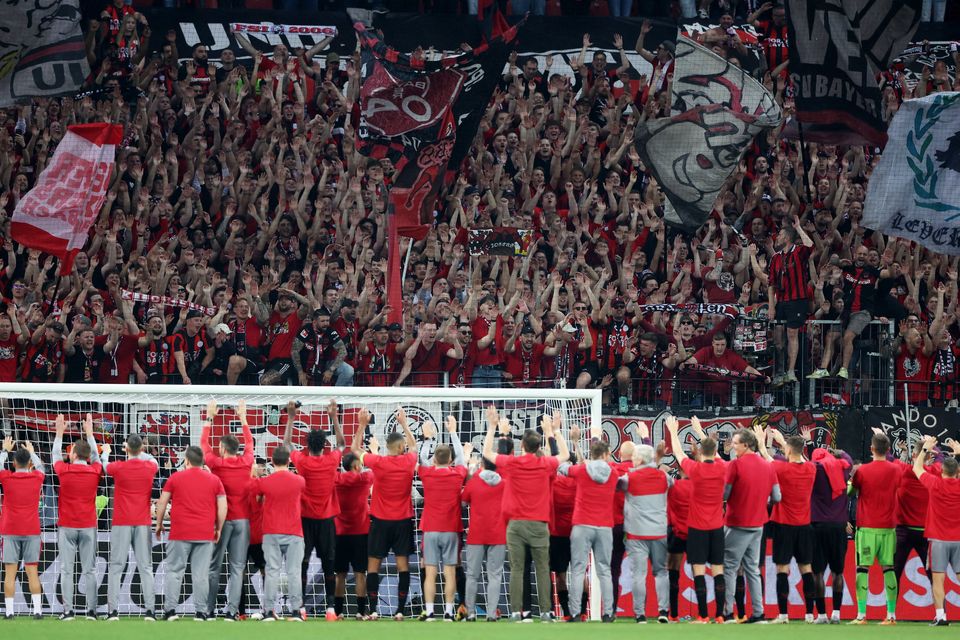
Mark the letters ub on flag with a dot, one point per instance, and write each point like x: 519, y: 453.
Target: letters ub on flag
x: 914, y: 192
x: 56, y: 215
x: 717, y: 111
x: 837, y: 50
x: 41, y: 50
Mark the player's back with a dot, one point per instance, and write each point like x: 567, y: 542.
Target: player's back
x: 876, y: 483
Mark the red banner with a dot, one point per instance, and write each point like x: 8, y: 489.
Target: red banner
x: 56, y: 215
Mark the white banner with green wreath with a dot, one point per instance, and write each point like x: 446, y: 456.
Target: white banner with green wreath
x: 914, y: 192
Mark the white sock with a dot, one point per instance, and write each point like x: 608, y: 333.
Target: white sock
x: 448, y: 608
x: 37, y: 599
x: 8, y: 604
x: 941, y: 614
x: 428, y: 607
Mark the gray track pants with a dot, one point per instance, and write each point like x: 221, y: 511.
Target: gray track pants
x: 72, y: 542
x: 121, y: 539
x: 742, y: 548
x: 179, y: 553
x: 234, y: 539
x: 638, y: 551
x: 282, y: 552
x: 582, y: 540
x: 494, y: 555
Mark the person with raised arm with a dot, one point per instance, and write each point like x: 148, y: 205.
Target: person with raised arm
x: 391, y: 508
x: 233, y: 469
x: 77, y: 525
x: 592, y: 523
x: 132, y: 488
x: 943, y: 521
x: 527, y: 496
x: 705, y: 540
x: 318, y: 467
x: 20, y: 522
x: 281, y: 494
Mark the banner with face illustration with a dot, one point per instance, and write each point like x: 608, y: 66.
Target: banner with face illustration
x: 717, y: 111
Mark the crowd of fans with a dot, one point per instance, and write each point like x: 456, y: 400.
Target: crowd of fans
x: 241, y: 189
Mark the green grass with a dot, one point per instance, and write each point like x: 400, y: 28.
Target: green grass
x: 187, y: 629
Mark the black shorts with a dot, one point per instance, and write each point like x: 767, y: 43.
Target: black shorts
x: 255, y: 557
x: 793, y: 313
x: 675, y: 544
x: 589, y: 367
x: 283, y: 367
x: 830, y: 546
x: 559, y: 554
x: 320, y: 535
x: 705, y: 547
x: 351, y: 553
x: 792, y: 542
x: 390, y: 535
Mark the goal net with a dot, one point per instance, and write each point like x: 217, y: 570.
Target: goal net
x: 169, y: 418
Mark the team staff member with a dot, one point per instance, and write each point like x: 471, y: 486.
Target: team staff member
x: 20, y: 523
x: 750, y: 485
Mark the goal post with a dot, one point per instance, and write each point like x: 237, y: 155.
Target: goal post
x: 169, y: 418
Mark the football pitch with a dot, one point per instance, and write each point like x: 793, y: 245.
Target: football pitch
x: 627, y: 629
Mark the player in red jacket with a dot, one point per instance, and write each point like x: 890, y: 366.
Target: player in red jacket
x: 441, y: 522
x: 943, y: 523
x: 318, y: 467
x: 281, y: 494
x: 353, y: 486
x: 77, y: 524
x: 391, y: 508
x: 233, y: 469
x: 20, y: 522
x: 132, y: 489
x: 486, y: 535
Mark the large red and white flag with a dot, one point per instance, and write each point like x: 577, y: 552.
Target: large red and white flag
x: 56, y: 215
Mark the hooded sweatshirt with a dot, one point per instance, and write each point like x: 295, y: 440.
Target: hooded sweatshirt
x: 596, y: 484
x: 484, y: 493
x: 645, y: 509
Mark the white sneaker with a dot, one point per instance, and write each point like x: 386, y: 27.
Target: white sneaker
x: 780, y: 619
x: 256, y: 616
x: 835, y: 618
x: 808, y: 618
x: 821, y: 619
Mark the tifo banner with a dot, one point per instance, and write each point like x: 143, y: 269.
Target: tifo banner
x: 41, y: 51
x: 718, y: 109
x: 620, y: 429
x: 298, y: 30
x: 56, y: 215
x: 290, y: 29
x: 500, y: 241
x: 905, y: 429
x: 915, y: 190
x: 837, y: 51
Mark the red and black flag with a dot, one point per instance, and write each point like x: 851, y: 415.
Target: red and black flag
x: 423, y: 115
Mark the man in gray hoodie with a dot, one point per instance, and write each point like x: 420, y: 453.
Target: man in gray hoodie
x: 645, y: 527
x: 592, y: 524
x: 486, y: 536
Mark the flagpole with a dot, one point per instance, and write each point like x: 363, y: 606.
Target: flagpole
x: 804, y: 162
